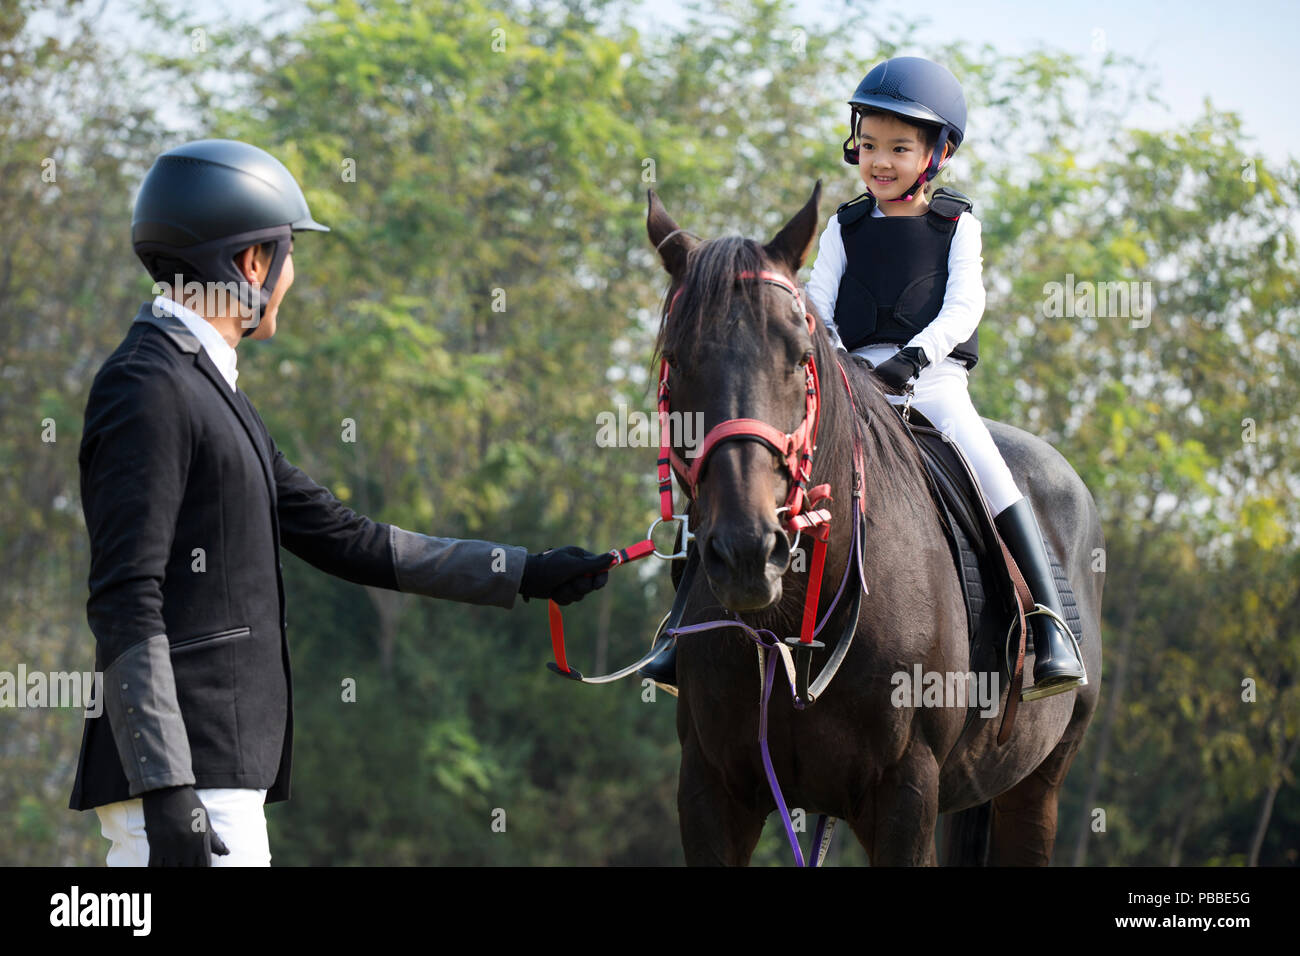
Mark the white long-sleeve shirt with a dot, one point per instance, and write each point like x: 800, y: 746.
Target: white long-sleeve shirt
x: 963, y: 299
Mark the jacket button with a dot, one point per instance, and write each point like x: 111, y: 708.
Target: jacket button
x: 130, y: 710
x: 143, y: 759
x: 137, y: 735
x: 123, y: 687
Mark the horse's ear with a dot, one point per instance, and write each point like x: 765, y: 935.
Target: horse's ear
x: 791, y: 245
x: 660, y: 226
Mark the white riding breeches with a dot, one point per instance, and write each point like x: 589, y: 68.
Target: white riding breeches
x: 235, y: 815
x: 941, y: 395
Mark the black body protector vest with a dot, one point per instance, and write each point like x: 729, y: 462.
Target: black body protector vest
x: 897, y: 273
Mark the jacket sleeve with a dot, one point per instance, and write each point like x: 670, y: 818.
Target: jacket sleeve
x: 963, y: 299
x: 824, y: 284
x: 327, y: 534
x: 134, y: 463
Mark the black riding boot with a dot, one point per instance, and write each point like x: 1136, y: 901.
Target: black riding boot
x: 662, y: 669
x: 1057, y: 665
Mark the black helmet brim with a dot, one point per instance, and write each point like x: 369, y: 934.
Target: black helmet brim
x: 308, y: 225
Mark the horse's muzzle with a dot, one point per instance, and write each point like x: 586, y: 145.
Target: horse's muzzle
x: 745, y: 565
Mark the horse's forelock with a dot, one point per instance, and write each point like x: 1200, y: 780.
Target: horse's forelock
x: 707, y: 306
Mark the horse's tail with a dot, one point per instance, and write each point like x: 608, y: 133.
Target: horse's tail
x: 966, y: 836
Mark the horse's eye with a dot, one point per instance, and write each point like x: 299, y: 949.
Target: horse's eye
x: 671, y: 359
x: 807, y: 357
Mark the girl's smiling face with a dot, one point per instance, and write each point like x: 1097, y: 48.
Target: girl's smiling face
x: 892, y: 154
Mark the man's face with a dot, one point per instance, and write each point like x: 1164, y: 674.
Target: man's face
x: 266, y: 328
x: 891, y: 155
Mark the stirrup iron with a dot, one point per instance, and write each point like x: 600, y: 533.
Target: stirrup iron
x: 1056, y: 687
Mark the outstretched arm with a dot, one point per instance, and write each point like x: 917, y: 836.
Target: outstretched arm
x: 329, y: 535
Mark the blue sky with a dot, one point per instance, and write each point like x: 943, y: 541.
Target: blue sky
x: 1240, y: 53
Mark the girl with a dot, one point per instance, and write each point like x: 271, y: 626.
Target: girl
x: 898, y: 282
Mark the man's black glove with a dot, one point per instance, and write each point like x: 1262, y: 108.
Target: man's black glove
x: 564, y: 575
x: 903, y: 367
x: 177, y: 835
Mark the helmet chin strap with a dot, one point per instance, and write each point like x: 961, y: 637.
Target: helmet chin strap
x: 213, y: 263
x: 907, y: 197
x: 262, y: 295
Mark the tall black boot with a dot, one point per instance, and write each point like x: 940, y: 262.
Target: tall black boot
x: 1058, y: 666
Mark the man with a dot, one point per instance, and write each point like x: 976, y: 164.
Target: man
x: 187, y: 502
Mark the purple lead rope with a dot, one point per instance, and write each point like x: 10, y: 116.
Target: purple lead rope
x: 769, y: 681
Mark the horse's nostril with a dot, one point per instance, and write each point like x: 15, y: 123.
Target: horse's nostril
x: 721, y: 550
x: 780, y: 553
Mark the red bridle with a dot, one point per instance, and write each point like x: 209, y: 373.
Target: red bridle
x: 795, y: 448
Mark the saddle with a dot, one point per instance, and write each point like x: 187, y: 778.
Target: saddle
x: 984, y: 567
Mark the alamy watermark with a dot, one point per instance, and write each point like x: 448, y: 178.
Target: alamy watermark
x: 33, y: 689
x: 636, y: 429
x: 212, y: 298
x: 963, y: 689
x: 1101, y: 300
x: 130, y: 910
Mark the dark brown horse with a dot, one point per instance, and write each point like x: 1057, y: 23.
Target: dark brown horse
x: 735, y: 350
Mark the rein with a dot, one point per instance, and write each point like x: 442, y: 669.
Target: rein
x: 801, y: 514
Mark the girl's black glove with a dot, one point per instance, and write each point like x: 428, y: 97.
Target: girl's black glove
x: 564, y: 575
x: 903, y: 367
x: 177, y: 835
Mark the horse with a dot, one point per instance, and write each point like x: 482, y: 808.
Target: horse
x: 735, y: 348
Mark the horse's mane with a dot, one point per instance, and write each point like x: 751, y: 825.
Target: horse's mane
x: 706, y: 310
x: 894, y: 468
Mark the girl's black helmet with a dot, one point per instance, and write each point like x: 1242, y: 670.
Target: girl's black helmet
x: 915, y: 89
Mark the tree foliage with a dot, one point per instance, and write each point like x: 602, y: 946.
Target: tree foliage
x: 488, y: 290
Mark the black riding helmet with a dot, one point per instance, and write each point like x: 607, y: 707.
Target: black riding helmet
x: 919, y: 91
x: 204, y: 202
